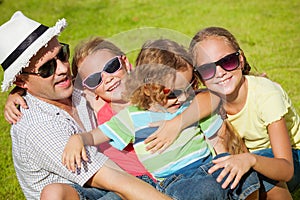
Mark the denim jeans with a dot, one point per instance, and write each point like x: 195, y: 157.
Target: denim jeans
x: 201, y: 185
x: 90, y: 193
x: 293, y: 184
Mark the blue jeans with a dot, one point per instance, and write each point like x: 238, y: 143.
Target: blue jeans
x: 268, y: 184
x: 90, y: 193
x: 201, y: 185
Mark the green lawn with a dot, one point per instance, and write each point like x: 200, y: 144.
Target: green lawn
x: 268, y: 32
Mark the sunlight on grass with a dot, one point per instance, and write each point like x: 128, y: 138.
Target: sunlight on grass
x: 268, y: 32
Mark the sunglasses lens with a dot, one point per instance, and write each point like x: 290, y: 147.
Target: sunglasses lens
x: 230, y: 62
x: 207, y: 71
x: 177, y: 93
x: 64, y: 53
x: 93, y: 80
x: 47, y: 69
x: 112, y: 66
x: 172, y: 95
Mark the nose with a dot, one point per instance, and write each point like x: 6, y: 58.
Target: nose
x: 106, y: 77
x: 183, y: 97
x: 62, y: 67
x: 220, y: 72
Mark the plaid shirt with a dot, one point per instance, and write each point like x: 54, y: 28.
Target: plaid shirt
x: 38, y: 141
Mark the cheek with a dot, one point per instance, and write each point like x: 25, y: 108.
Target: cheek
x: 121, y: 73
x: 99, y: 90
x: 207, y: 83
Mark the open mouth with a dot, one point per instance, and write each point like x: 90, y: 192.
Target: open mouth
x: 224, y: 81
x: 175, y: 105
x: 64, y: 82
x: 114, y: 86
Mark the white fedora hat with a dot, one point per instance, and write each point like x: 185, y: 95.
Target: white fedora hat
x: 20, y: 39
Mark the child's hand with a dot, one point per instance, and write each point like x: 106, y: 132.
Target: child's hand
x: 11, y: 112
x: 163, y: 137
x: 73, y: 152
x: 235, y: 166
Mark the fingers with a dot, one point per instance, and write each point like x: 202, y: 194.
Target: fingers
x: 77, y: 161
x: 11, y: 118
x: 20, y: 101
x: 221, y: 159
x: 71, y: 163
x: 11, y: 112
x: 236, y: 181
x: 84, y: 155
x: 230, y: 177
x: 154, y: 146
x: 232, y: 170
x: 164, y: 147
x: 150, y: 139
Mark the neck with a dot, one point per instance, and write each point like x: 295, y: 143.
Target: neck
x: 65, y: 104
x: 117, y: 106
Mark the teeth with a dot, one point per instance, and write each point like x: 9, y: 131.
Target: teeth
x: 114, y: 86
x: 224, y: 82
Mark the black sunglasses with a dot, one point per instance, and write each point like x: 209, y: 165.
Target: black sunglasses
x: 95, y: 79
x: 49, y: 68
x: 228, y: 63
x: 173, y: 94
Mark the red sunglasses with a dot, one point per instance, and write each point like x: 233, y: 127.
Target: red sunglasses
x: 175, y: 93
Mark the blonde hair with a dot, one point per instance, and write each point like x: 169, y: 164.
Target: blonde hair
x: 146, y: 83
x: 89, y: 46
x: 169, y: 53
x: 231, y: 139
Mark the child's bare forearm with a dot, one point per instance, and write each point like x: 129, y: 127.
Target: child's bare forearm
x: 94, y: 137
x: 202, y: 106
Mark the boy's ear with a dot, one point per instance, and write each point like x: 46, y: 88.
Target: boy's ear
x: 20, y: 82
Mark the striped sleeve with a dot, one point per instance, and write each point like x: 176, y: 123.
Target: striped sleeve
x: 119, y: 129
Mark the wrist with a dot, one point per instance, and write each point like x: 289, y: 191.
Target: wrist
x: 252, y: 159
x: 79, y: 138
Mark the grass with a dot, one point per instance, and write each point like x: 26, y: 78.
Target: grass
x: 268, y: 32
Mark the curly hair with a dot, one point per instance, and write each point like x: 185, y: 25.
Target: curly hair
x: 146, y: 83
x: 218, y: 32
x: 169, y: 53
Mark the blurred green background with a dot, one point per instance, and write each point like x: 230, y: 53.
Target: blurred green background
x: 268, y: 32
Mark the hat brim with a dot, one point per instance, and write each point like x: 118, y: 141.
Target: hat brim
x: 24, y: 60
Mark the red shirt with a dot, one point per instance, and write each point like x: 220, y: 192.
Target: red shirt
x: 126, y: 158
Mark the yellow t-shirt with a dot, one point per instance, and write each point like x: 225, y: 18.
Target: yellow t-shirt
x: 266, y: 102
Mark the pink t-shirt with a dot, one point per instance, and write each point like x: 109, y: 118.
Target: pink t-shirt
x: 127, y: 158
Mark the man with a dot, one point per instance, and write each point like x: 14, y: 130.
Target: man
x: 33, y: 59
